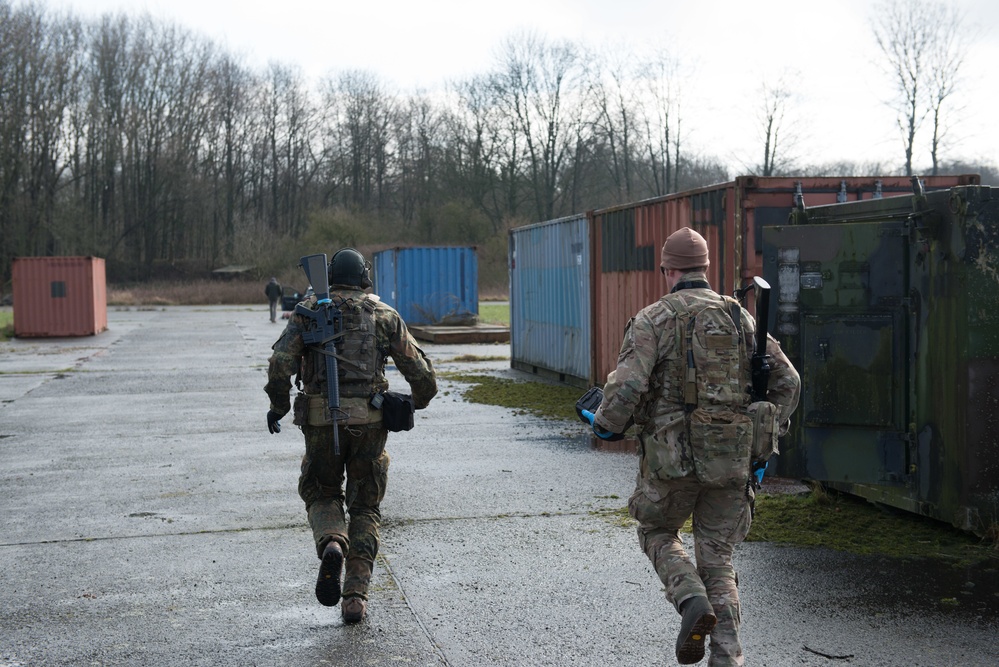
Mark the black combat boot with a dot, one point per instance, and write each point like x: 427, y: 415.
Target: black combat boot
x: 698, y: 621
x: 328, y: 583
x: 354, y: 609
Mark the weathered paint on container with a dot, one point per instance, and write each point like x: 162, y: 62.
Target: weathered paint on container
x: 626, y: 240
x: 890, y: 311
x: 550, y: 296
x: 429, y: 285
x: 59, y: 296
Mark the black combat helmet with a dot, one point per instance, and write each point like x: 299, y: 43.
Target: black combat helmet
x: 348, y: 267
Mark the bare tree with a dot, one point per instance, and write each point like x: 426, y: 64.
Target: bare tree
x: 356, y: 135
x: 473, y: 148
x: 662, y: 120
x: 418, y: 139
x: 775, y: 127
x: 615, y: 126
x: 945, y: 63
x: 538, y: 79
x: 923, y: 49
x: 228, y: 141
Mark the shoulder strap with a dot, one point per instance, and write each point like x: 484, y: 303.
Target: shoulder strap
x: 685, y: 342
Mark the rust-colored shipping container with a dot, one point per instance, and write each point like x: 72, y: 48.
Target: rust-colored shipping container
x: 59, y: 296
x: 626, y: 240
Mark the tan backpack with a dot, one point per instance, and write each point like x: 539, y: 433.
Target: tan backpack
x: 714, y: 372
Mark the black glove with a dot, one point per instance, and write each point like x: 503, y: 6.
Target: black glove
x: 273, y: 425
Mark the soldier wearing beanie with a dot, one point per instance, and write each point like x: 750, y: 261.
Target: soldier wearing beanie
x: 688, y: 393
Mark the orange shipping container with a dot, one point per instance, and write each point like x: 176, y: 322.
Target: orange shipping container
x: 59, y: 296
x: 626, y: 240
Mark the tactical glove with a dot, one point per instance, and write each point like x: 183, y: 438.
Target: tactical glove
x: 602, y: 434
x: 273, y: 425
x: 758, y: 470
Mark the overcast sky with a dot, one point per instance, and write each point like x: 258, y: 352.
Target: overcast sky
x: 728, y: 47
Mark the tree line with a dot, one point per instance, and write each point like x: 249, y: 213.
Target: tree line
x: 146, y: 144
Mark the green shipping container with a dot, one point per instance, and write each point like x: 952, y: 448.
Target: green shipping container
x: 889, y: 309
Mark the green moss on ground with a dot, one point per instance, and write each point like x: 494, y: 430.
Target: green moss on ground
x: 6, y: 324
x: 846, y: 523
x: 538, y: 398
x: 475, y: 357
x: 852, y: 525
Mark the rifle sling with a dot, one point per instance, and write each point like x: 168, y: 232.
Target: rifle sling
x: 690, y: 284
x: 337, y: 356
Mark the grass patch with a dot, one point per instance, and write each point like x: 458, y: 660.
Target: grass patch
x: 494, y: 313
x: 6, y: 324
x: 474, y: 357
x: 853, y: 525
x: 537, y: 398
x: 616, y: 517
x: 845, y: 523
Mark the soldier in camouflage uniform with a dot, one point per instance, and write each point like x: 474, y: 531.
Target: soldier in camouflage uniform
x: 373, y: 331
x: 671, y: 484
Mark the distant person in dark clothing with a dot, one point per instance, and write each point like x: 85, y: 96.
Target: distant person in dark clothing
x: 273, y: 291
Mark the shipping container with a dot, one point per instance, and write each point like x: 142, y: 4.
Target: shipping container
x: 889, y: 309
x: 731, y: 216
x: 429, y: 285
x: 550, y: 320
x: 59, y: 296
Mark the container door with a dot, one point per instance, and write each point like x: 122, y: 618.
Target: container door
x: 842, y: 315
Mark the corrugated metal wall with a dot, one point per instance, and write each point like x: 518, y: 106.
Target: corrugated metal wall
x: 59, y: 296
x: 429, y: 285
x: 550, y: 299
x: 627, y: 242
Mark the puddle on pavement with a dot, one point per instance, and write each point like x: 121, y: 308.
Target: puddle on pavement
x: 926, y: 584
x: 585, y: 442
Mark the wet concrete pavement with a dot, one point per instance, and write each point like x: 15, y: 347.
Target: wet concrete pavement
x: 148, y: 518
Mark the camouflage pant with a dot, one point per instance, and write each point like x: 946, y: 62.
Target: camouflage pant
x: 721, y: 521
x: 363, y: 459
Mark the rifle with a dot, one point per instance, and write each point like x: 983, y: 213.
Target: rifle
x: 324, y: 326
x: 761, y: 360
x: 760, y: 363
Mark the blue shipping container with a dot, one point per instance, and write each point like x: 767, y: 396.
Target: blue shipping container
x: 550, y: 299
x: 429, y: 285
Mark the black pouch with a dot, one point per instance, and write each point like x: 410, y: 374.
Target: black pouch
x: 589, y: 401
x: 300, y: 410
x: 397, y: 411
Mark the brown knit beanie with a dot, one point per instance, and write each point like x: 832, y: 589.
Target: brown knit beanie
x: 685, y: 249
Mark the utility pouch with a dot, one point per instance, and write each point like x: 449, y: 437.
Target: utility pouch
x: 765, y: 430
x: 721, y: 442
x: 300, y: 410
x: 397, y: 411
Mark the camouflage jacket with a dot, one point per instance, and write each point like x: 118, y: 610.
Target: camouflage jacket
x: 644, y: 385
x: 391, y: 339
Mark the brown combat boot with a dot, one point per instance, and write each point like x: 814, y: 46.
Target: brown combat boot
x: 698, y: 621
x: 354, y: 610
x: 328, y: 583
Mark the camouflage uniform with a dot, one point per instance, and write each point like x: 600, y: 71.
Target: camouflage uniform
x: 645, y: 385
x: 362, y: 440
